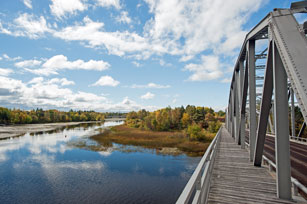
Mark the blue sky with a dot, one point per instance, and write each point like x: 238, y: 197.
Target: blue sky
x: 115, y: 55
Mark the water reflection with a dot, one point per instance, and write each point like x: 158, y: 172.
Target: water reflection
x: 53, y: 165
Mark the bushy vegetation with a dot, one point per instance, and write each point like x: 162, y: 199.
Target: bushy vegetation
x: 199, y: 123
x: 164, y: 142
x: 16, y: 116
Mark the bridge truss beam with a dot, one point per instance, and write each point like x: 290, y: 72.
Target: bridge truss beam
x: 285, y: 60
x: 265, y: 108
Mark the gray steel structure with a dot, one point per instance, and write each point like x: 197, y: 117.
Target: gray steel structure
x: 285, y: 70
x: 286, y: 60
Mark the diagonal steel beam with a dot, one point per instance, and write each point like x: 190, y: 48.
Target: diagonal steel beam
x: 292, y: 46
x: 245, y: 88
x: 265, y: 108
x: 302, y: 130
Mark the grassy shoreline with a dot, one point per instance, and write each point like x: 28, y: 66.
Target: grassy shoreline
x: 163, y: 142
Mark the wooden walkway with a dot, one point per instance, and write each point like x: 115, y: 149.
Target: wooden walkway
x: 236, y: 180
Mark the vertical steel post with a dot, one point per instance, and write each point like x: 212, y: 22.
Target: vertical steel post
x: 230, y: 113
x: 233, y: 127
x: 292, y: 113
x: 282, y: 144
x: 252, y: 98
x: 242, y: 115
x: 237, y: 96
x: 227, y: 119
x: 273, y: 115
x: 247, y: 121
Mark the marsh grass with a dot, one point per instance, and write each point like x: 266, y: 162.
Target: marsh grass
x: 125, y: 135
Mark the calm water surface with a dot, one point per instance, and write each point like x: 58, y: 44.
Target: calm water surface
x: 48, y: 168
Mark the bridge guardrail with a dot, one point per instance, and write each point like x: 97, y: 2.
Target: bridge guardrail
x: 301, y: 139
x: 199, y: 182
x: 296, y: 184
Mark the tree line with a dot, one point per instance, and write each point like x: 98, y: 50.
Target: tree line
x: 17, y: 116
x: 197, y: 122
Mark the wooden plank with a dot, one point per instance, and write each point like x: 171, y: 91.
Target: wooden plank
x: 243, y: 188
x: 236, y: 180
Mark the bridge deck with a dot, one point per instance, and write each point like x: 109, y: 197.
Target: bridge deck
x: 236, y: 180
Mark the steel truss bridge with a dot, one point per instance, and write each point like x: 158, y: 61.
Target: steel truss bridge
x: 239, y: 164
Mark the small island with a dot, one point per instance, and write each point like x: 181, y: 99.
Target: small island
x: 169, y: 130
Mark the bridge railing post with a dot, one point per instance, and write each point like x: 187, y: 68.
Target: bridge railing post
x: 295, y: 189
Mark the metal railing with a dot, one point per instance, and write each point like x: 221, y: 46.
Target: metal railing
x: 199, y: 183
x: 295, y: 183
x: 301, y: 139
x: 295, y: 138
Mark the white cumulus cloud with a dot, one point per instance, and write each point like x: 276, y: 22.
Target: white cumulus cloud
x: 50, y: 93
x: 60, y: 8
x: 151, y: 85
x: 36, y: 80
x: 123, y: 18
x: 148, y: 96
x: 30, y: 26
x: 137, y: 64
x: 93, y: 33
x: 179, y: 28
x: 28, y: 63
x: 106, y: 81
x: 60, y: 62
x: 5, y: 56
x: 209, y: 69
x: 28, y: 3
x: 62, y: 82
x: 5, y: 71
x: 183, y: 28
x: 108, y: 3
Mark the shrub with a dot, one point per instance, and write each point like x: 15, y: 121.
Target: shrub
x: 195, y: 132
x: 214, y: 126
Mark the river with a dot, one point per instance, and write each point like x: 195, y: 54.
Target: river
x: 48, y: 167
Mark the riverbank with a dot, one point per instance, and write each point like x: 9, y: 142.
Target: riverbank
x: 8, y: 131
x: 163, y: 142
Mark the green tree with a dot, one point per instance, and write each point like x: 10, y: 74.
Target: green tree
x: 186, y: 120
x: 195, y: 132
